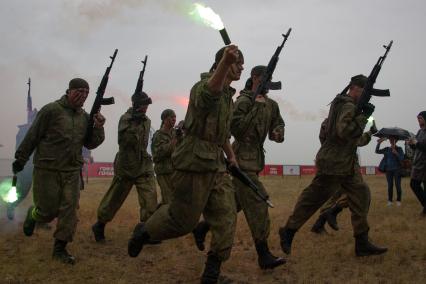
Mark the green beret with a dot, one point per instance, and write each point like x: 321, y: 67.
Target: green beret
x: 78, y: 83
x: 258, y: 70
x: 167, y: 113
x: 359, y: 80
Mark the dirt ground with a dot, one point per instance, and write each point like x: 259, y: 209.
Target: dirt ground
x: 327, y: 258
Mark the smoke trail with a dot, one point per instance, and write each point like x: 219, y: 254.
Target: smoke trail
x: 290, y: 110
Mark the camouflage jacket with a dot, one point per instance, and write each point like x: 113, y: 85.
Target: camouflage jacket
x: 250, y: 125
x: 132, y: 159
x: 337, y: 155
x: 57, y: 135
x: 207, y: 124
x: 162, y: 149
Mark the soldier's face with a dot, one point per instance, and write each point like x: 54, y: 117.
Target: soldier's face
x: 355, y: 92
x: 171, y: 121
x: 142, y: 109
x: 235, y: 70
x: 77, y: 97
x: 421, y: 121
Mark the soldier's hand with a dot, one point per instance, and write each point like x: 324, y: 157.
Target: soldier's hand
x: 260, y: 99
x: 373, y: 128
x: 17, y: 167
x: 231, y: 55
x: 233, y: 162
x: 99, y: 120
x: 368, y: 109
x: 277, y: 136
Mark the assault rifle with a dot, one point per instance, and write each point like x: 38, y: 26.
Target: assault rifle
x: 100, y: 100
x: 237, y: 173
x: 139, y: 85
x: 368, y: 88
x: 265, y: 83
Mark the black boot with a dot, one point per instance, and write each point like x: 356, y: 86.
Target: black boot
x: 200, y: 233
x: 61, y: 254
x: 265, y: 258
x: 318, y: 227
x: 98, y: 230
x: 211, y: 270
x: 10, y: 211
x: 331, y: 216
x: 138, y: 239
x: 29, y: 223
x: 363, y: 247
x: 286, y: 238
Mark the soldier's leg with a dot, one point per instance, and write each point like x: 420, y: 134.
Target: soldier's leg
x: 309, y: 201
x: 358, y: 196
x: 114, y: 198
x: 221, y: 214
x: 419, y: 192
x: 67, y: 215
x: 147, y: 196
x: 166, y: 187
x: 46, y: 202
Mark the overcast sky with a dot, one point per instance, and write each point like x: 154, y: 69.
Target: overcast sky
x: 332, y: 40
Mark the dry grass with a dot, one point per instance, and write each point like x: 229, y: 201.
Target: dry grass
x: 316, y: 259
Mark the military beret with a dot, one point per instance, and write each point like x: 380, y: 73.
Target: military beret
x: 167, y: 113
x: 258, y: 70
x: 359, y: 80
x: 141, y: 99
x: 78, y: 83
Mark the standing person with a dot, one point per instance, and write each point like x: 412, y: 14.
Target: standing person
x: 162, y: 146
x: 251, y: 124
x: 58, y: 135
x: 336, y: 164
x: 132, y: 167
x: 200, y: 182
x: 392, y: 163
x: 418, y: 170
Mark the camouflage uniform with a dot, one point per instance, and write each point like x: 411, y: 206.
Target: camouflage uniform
x: 57, y: 135
x: 200, y: 183
x: 162, y: 149
x: 336, y: 163
x: 339, y: 198
x: 132, y: 166
x: 251, y: 123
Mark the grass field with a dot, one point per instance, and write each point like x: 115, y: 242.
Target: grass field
x: 327, y: 258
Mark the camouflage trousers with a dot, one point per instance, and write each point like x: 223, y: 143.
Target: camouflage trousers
x: 255, y: 209
x: 322, y: 188
x: 338, y: 198
x: 210, y: 194
x: 119, y: 190
x: 166, y: 187
x: 56, y: 195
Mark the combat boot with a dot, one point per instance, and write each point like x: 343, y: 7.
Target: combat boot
x: 139, y: 237
x: 200, y: 233
x: 331, y: 216
x: 211, y: 270
x: 98, y: 230
x: 10, y: 211
x: 363, y: 247
x: 29, y: 223
x: 61, y: 254
x: 265, y: 258
x: 318, y: 227
x: 286, y: 238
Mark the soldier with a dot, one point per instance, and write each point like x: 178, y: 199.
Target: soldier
x: 162, y: 147
x: 339, y: 201
x: 251, y: 124
x: 200, y: 183
x: 58, y: 135
x: 132, y: 166
x: 336, y: 164
x: 418, y: 172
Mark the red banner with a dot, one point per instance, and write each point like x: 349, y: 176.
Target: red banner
x: 101, y: 170
x: 308, y: 170
x: 272, y: 170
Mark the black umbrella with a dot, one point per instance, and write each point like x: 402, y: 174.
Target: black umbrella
x: 398, y: 133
